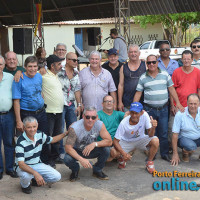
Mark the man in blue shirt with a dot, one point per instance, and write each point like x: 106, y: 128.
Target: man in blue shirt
x: 28, y: 100
x: 28, y: 149
x: 186, y: 130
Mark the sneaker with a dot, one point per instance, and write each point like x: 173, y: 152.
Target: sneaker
x: 150, y: 167
x: 100, y: 175
x: 27, y: 190
x: 122, y: 163
x: 34, y: 182
x: 185, y: 156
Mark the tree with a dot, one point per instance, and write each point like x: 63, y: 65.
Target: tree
x: 176, y: 24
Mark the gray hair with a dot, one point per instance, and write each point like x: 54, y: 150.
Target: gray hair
x: 61, y: 44
x: 193, y: 95
x: 90, y: 108
x: 97, y: 53
x: 133, y: 46
x: 1, y: 57
x: 6, y: 54
x: 29, y: 119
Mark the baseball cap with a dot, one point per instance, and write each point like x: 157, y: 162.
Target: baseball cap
x: 112, y: 51
x: 136, y: 106
x: 53, y: 58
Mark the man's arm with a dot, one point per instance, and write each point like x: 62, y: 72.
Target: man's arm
x: 78, y: 100
x: 137, y: 96
x: 105, y: 142
x: 19, y: 123
x: 39, y: 179
x: 114, y: 96
x: 118, y: 147
x: 71, y: 139
x: 59, y: 137
x: 174, y: 95
x: 175, y: 157
x: 198, y: 93
x: 121, y: 89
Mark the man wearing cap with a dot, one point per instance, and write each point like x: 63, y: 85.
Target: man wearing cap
x: 130, y: 135
x: 54, y: 99
x: 28, y: 100
x: 155, y: 84
x: 113, y: 65
x: 120, y: 45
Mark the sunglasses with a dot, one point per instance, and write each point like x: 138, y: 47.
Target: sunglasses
x: 166, y: 49
x: 92, y: 117
x: 196, y: 46
x: 149, y: 62
x: 74, y: 60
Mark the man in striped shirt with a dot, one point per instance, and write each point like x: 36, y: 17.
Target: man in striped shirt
x: 156, y: 84
x: 28, y: 149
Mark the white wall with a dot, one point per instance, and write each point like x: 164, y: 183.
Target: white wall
x: 54, y: 34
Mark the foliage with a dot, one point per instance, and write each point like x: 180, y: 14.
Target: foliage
x: 174, y: 25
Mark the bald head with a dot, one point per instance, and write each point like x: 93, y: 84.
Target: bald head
x: 11, y: 60
x: 71, y: 60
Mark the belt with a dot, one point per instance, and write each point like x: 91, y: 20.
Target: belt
x: 157, y: 108
x: 33, y: 112
x: 4, y: 113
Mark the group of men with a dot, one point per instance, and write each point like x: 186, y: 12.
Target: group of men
x: 141, y: 91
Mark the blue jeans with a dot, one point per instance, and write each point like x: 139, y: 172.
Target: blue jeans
x: 161, y: 115
x: 69, y: 116
x: 42, y: 126
x: 188, y: 144
x: 49, y: 174
x: 101, y: 153
x: 7, y: 124
x: 54, y: 128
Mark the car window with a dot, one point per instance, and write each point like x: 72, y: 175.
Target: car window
x: 145, y: 46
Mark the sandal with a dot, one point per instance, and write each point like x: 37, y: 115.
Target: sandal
x: 150, y: 167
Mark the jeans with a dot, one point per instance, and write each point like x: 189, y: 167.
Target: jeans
x: 49, y: 174
x: 101, y: 153
x: 42, y: 126
x: 69, y: 116
x: 54, y: 128
x: 7, y: 124
x: 161, y: 115
x: 188, y: 144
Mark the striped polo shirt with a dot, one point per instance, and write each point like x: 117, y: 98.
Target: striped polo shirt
x: 196, y: 63
x: 29, y: 151
x: 155, y: 89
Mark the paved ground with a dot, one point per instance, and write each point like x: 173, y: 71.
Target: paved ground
x: 133, y: 182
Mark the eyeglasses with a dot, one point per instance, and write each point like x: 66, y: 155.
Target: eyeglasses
x: 166, y: 49
x: 74, y: 60
x: 60, y: 49
x: 106, y: 101
x: 92, y: 117
x: 149, y: 62
x: 196, y: 46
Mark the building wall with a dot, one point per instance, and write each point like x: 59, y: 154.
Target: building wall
x: 54, y: 34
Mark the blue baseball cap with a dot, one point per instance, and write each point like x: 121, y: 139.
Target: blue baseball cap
x: 136, y: 106
x: 112, y: 51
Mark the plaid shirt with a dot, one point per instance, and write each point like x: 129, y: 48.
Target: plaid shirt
x: 69, y: 86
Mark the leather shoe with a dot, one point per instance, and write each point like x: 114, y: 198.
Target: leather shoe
x: 1, y: 175
x: 74, y: 176
x: 13, y: 174
x: 166, y: 157
x: 27, y: 190
x: 100, y: 175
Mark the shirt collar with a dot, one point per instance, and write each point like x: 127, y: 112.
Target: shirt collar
x: 187, y: 111
x: 147, y: 72
x: 26, y: 137
x: 50, y: 72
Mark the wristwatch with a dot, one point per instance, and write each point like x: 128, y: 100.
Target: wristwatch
x: 96, y: 144
x: 79, y: 105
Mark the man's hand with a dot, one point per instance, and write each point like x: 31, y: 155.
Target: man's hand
x: 180, y: 107
x: 20, y: 126
x: 88, y: 149
x: 121, y: 106
x: 85, y: 163
x: 153, y: 122
x: 42, y: 71
x: 126, y: 156
x: 39, y: 179
x: 175, y: 159
x: 173, y: 109
x: 18, y: 75
x: 78, y: 110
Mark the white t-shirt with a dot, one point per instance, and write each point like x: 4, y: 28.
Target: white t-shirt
x: 132, y: 133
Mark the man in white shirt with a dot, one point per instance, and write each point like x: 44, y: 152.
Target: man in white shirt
x: 130, y: 135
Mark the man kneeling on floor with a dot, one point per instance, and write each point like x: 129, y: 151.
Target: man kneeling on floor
x: 81, y: 145
x: 28, y: 150
x: 130, y: 135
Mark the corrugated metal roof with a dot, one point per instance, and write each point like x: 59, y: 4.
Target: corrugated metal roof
x: 14, y: 12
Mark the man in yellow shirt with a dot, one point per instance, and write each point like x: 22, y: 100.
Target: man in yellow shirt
x: 54, y: 99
